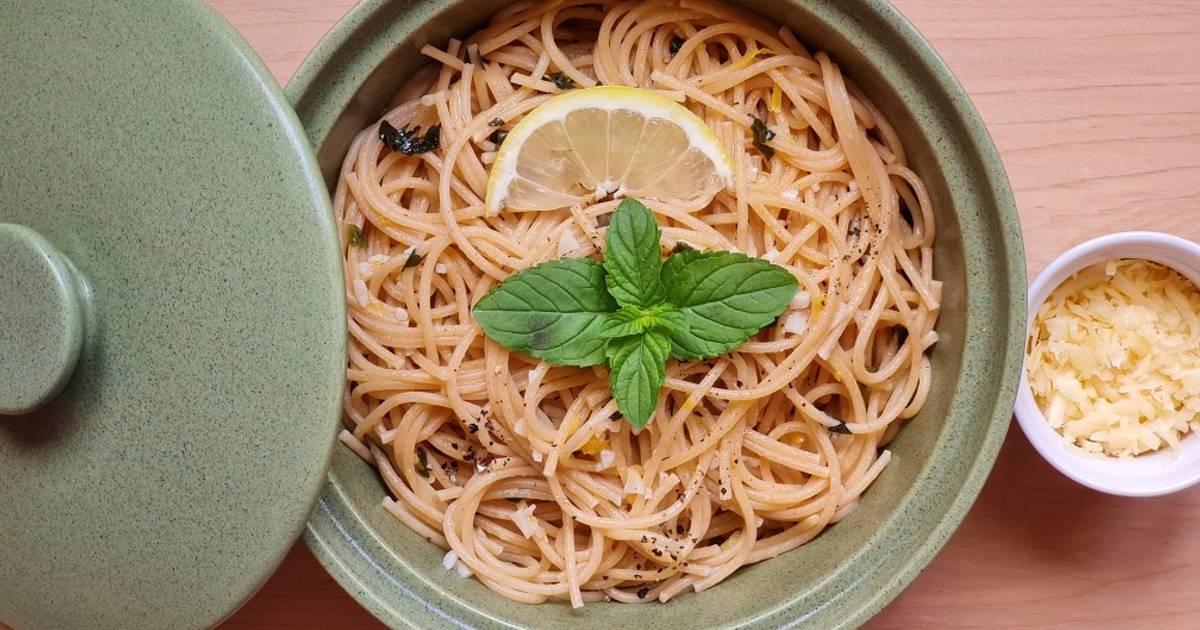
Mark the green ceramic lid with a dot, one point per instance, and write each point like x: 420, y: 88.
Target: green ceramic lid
x: 172, y: 334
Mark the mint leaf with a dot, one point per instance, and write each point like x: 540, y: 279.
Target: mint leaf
x: 632, y: 256
x: 553, y: 311
x: 637, y: 370
x: 633, y: 311
x: 632, y: 320
x: 725, y: 298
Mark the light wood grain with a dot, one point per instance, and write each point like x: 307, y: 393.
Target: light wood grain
x: 1095, y: 106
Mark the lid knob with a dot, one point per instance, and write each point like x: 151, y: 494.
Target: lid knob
x: 41, y: 320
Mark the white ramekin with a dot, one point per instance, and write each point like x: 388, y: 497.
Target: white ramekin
x: 1152, y: 474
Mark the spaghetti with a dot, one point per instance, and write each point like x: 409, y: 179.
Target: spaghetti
x: 523, y: 471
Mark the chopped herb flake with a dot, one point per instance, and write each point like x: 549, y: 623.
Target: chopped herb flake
x: 422, y: 463
x: 355, y: 236
x: 763, y: 135
x: 562, y: 81
x: 840, y: 427
x: 676, y: 44
x: 496, y: 122
x: 414, y: 259
x: 410, y: 141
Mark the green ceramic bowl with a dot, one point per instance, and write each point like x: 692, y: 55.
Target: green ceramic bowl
x: 940, y: 459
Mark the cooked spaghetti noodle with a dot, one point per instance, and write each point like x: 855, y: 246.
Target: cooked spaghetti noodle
x: 524, y: 471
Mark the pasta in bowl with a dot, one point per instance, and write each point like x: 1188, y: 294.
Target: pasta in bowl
x: 538, y: 478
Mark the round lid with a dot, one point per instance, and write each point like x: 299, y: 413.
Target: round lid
x: 172, y: 319
x: 43, y: 314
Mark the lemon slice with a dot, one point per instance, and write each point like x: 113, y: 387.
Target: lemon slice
x: 588, y: 143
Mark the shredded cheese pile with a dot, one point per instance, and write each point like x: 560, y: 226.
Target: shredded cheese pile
x: 1114, y: 358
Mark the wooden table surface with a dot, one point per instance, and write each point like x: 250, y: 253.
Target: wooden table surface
x: 1095, y: 106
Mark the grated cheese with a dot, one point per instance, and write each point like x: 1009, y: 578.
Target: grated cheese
x: 594, y: 445
x: 775, y: 102
x: 525, y: 521
x: 633, y: 481
x: 1114, y: 358
x: 745, y: 60
x: 818, y: 306
x: 463, y: 570
x: 451, y: 561
x: 795, y: 323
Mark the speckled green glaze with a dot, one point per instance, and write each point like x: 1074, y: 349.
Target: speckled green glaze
x: 42, y: 313
x: 147, y: 143
x: 940, y: 459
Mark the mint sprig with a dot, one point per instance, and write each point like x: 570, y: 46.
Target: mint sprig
x: 634, y: 311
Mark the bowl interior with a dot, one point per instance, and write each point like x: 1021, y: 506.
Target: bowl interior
x: 939, y: 460
x: 1164, y: 471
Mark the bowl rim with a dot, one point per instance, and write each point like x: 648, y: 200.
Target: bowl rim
x: 348, y: 556
x: 1160, y: 247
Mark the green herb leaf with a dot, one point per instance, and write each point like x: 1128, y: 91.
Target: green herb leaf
x: 553, y: 311
x: 763, y: 135
x: 632, y: 256
x: 409, y: 141
x: 422, y: 463
x: 413, y: 260
x: 840, y: 427
x: 682, y: 247
x: 632, y: 320
x: 637, y: 370
x: 355, y: 236
x: 562, y: 81
x: 725, y: 298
